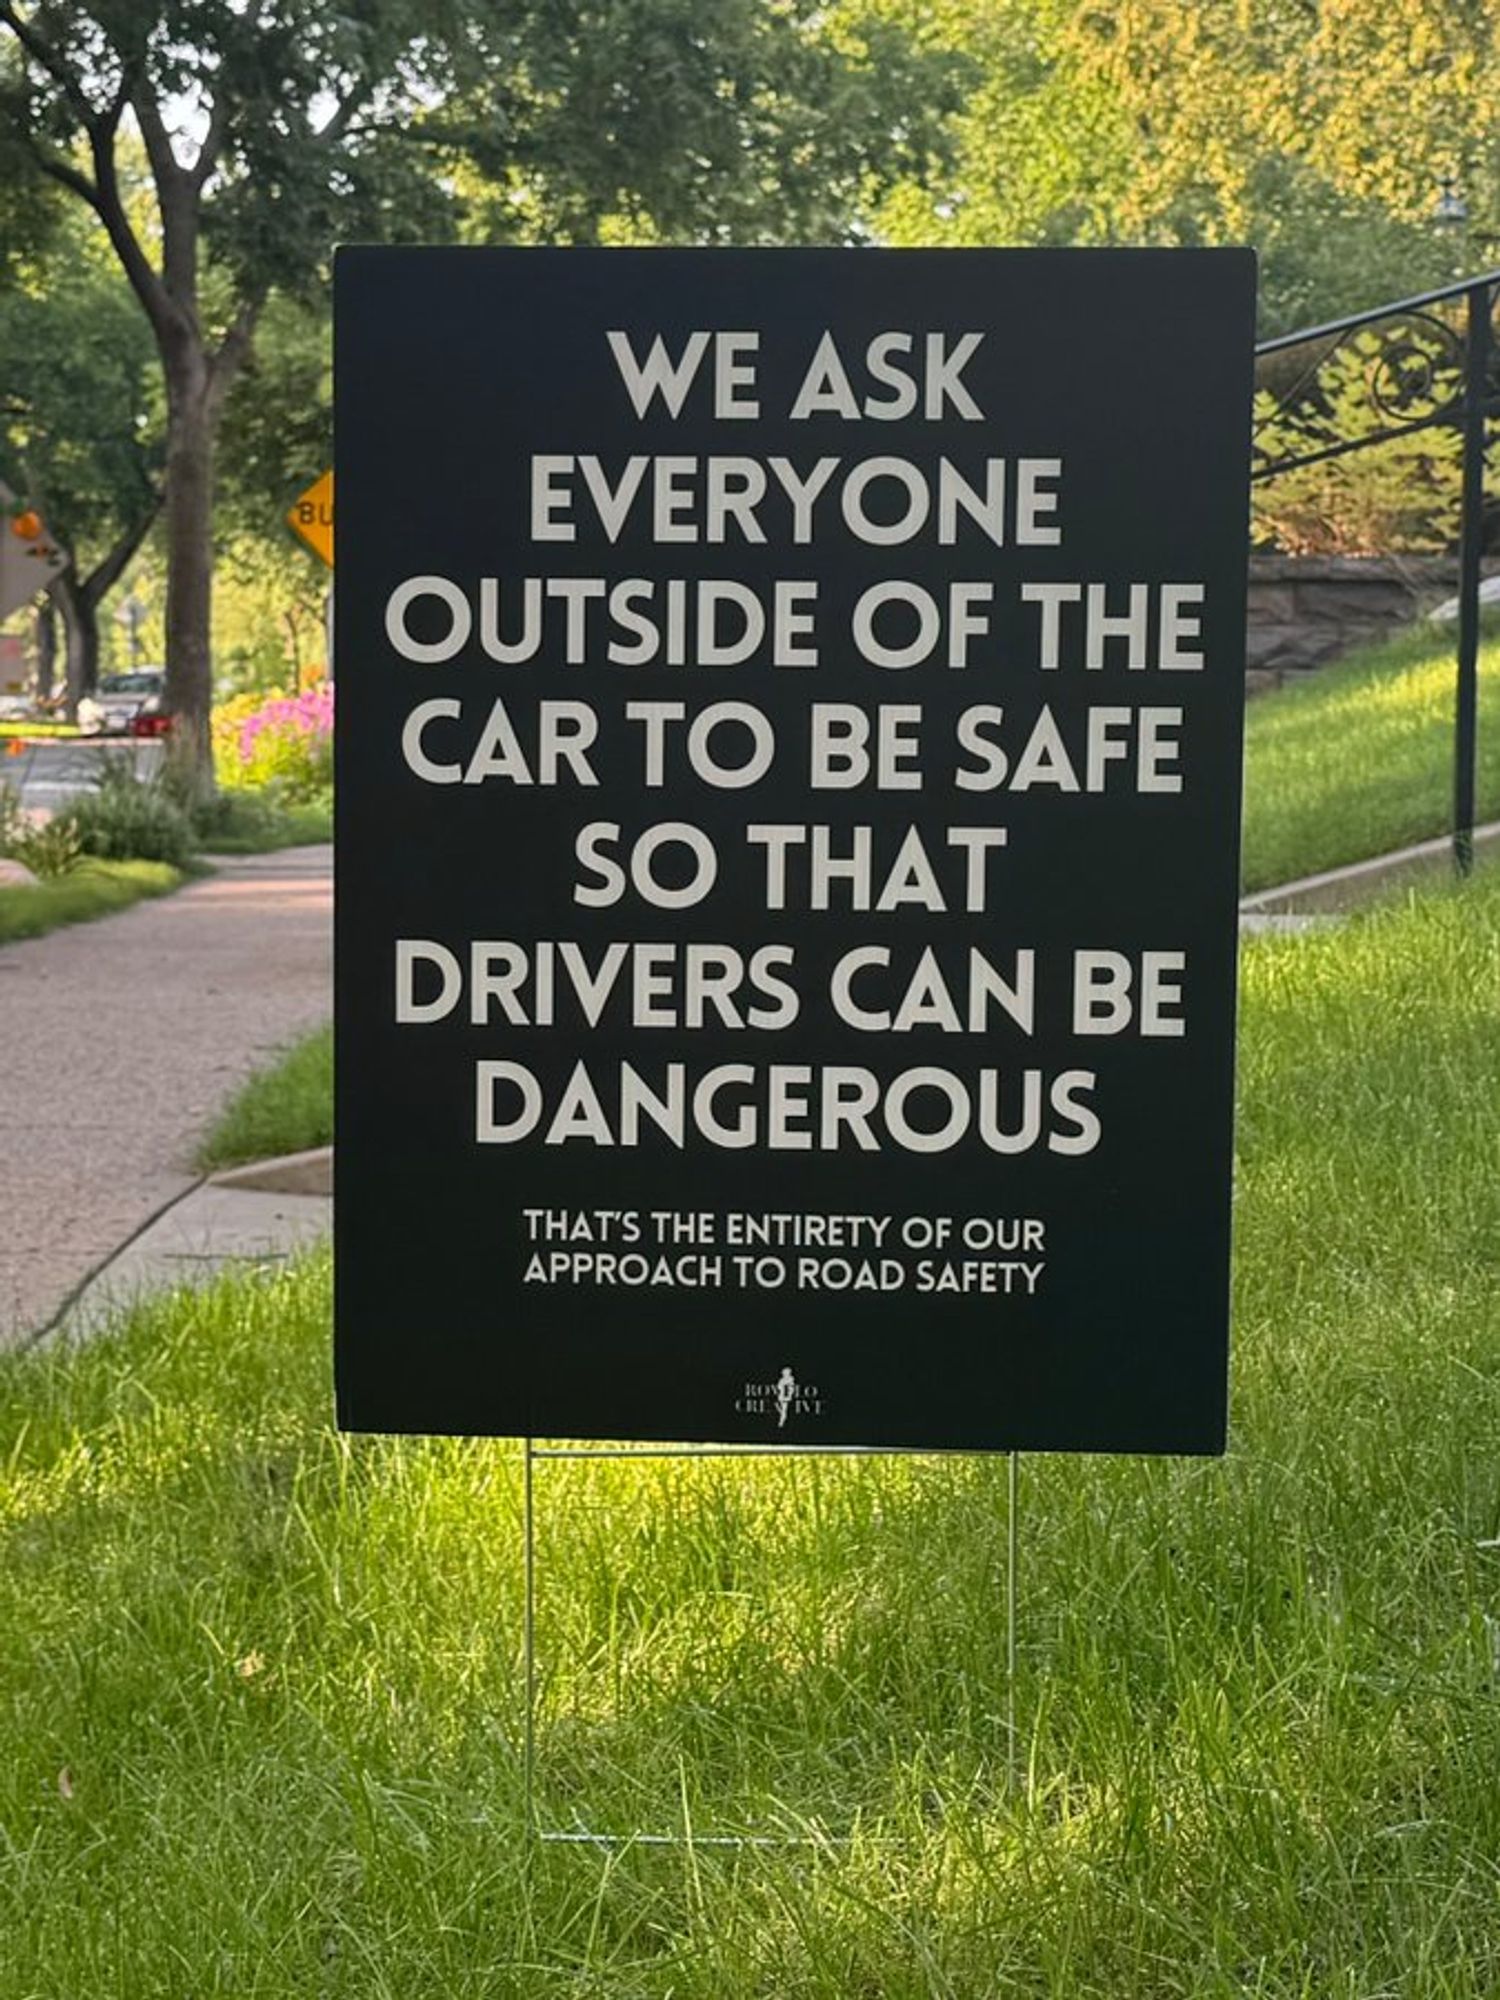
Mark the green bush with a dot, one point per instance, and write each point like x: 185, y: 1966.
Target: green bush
x: 48, y: 850
x: 13, y: 823
x: 128, y: 821
x: 239, y: 820
x: 237, y: 814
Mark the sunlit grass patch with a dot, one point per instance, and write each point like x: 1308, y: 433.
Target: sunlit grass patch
x: 90, y: 889
x: 1357, y: 759
x: 285, y: 1108
x: 260, y: 1684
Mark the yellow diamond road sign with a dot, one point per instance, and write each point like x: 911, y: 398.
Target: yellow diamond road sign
x: 311, y: 517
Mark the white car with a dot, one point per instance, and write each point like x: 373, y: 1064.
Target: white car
x: 120, y: 699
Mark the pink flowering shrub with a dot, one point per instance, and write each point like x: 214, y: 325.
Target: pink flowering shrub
x: 281, y: 740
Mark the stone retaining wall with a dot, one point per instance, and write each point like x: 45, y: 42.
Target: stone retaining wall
x: 1305, y: 610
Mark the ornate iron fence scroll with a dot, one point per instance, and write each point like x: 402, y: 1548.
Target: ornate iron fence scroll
x: 1377, y: 376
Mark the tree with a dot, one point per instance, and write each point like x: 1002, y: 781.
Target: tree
x: 276, y: 437
x: 270, y: 126
x: 277, y: 430
x: 80, y: 429
x: 1317, y: 132
x: 31, y: 210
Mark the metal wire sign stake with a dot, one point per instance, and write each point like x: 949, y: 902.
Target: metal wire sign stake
x: 583, y: 1836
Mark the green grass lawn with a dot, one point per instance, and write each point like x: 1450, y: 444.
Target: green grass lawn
x: 284, y: 1109
x: 240, y: 820
x: 1358, y: 758
x: 259, y: 1684
x: 313, y: 830
x: 91, y: 889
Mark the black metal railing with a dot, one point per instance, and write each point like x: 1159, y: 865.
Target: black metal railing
x: 1429, y: 360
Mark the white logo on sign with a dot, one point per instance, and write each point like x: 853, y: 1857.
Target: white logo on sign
x: 784, y: 1398
x: 786, y: 1395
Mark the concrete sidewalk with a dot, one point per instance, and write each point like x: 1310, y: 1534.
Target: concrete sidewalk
x: 1336, y: 890
x: 119, y: 1042
x: 243, y: 1218
x: 212, y: 1228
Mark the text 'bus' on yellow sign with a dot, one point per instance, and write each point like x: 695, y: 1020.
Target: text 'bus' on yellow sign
x: 311, y: 517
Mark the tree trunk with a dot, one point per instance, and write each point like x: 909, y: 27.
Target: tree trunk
x: 46, y: 647
x: 190, y: 564
x: 80, y: 615
x: 289, y: 619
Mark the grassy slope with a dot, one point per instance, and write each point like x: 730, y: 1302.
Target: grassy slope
x: 288, y: 826
x: 284, y: 1109
x: 92, y: 889
x: 1358, y: 759
x: 260, y: 1684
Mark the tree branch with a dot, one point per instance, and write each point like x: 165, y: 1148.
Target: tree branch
x: 220, y: 116
x: 213, y: 144
x: 177, y: 200
x: 102, y: 195
x: 67, y: 587
x: 165, y: 165
x: 41, y: 51
x: 167, y: 321
x: 336, y: 127
x: 63, y: 171
x: 228, y: 358
x: 102, y: 579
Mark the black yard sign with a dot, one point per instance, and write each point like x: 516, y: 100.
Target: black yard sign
x: 789, y: 711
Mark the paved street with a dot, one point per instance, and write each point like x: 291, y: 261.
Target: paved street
x: 49, y: 773
x: 120, y: 1039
